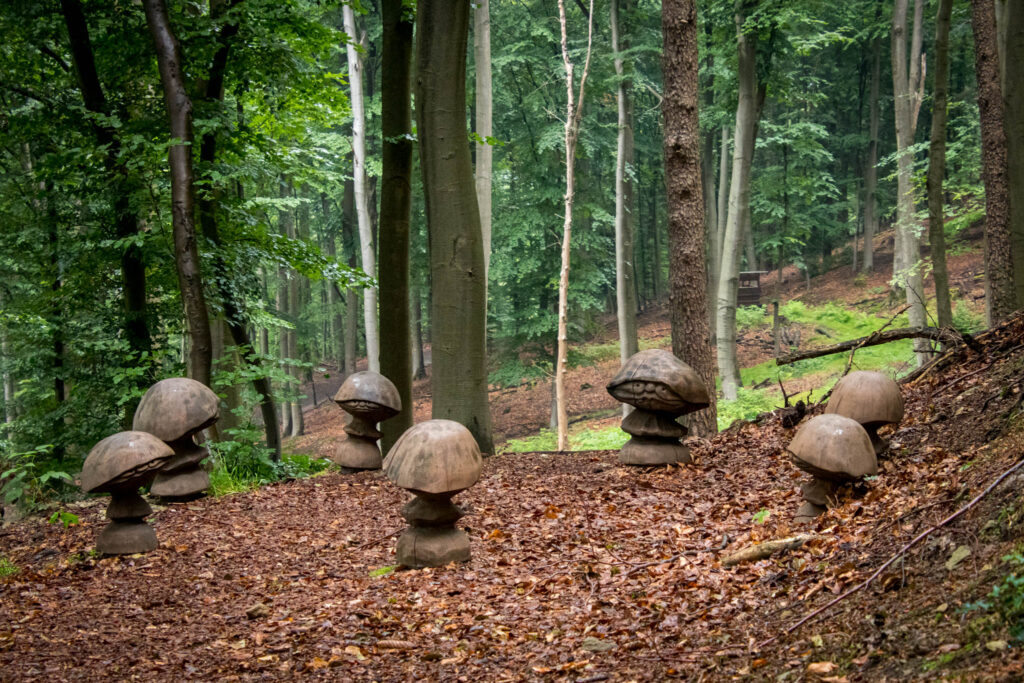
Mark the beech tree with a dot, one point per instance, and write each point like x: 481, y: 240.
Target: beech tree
x: 484, y: 124
x: 937, y: 166
x: 458, y: 304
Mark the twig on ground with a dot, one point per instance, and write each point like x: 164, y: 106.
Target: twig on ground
x: 644, y: 565
x: 374, y: 542
x: 900, y: 553
x: 761, y: 551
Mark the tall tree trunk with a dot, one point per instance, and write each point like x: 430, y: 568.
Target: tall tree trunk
x: 284, y: 347
x: 722, y: 213
x: 295, y: 310
x: 625, y: 283
x: 870, y: 165
x: 348, y: 221
x: 10, y: 412
x: 1013, y: 111
x: 573, y: 116
x: 937, y: 166
x: 337, y: 326
x: 484, y: 116
x: 458, y: 304
x: 419, y: 369
x: 355, y: 79
x: 687, y: 238
x: 395, y: 205
x: 1000, y: 299
x: 908, y: 84
x: 739, y: 205
x: 186, y: 252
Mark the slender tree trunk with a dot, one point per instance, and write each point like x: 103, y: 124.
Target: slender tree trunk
x: 484, y: 116
x: 337, y: 327
x: 1013, y: 111
x: 625, y: 284
x: 459, y: 296
x: 573, y: 116
x: 419, y: 366
x: 870, y: 166
x: 355, y: 79
x: 687, y: 238
x: 748, y: 242
x: 739, y: 205
x: 1000, y: 299
x: 348, y: 221
x: 283, y: 344
x: 937, y: 166
x: 10, y: 412
x: 908, y: 84
x: 186, y: 252
x: 297, y: 426
x: 395, y: 206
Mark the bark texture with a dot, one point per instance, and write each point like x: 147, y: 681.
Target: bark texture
x: 395, y: 205
x: 458, y: 305
x: 871, y: 164
x: 186, y: 251
x: 937, y: 166
x: 484, y: 120
x: 686, y: 228
x: 1013, y: 108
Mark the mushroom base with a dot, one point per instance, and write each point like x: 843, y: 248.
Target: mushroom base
x: 820, y: 492
x: 432, y: 546
x: 126, y: 538
x: 430, y: 512
x: 808, y: 512
x: 127, y: 505
x: 358, y: 453
x: 880, y: 445
x: 648, y: 451
x: 181, y: 485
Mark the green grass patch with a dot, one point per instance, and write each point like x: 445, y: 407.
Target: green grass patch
x: 383, y: 571
x: 238, y: 471
x: 7, y: 568
x: 609, y: 438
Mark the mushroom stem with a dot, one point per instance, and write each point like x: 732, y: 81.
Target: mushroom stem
x: 127, y: 504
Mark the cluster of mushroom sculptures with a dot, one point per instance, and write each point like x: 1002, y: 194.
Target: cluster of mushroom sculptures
x: 160, y: 450
x: 368, y: 397
x: 843, y: 445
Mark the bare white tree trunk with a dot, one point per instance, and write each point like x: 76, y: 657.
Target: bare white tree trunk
x: 625, y: 284
x: 574, y: 112
x: 484, y: 116
x: 8, y: 378
x: 355, y: 79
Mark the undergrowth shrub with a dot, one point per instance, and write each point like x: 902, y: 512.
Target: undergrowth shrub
x: 749, y: 316
x: 1007, y: 598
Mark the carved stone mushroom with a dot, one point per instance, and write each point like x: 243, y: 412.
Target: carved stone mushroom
x: 175, y: 410
x: 119, y: 465
x: 434, y: 460
x: 834, y: 450
x: 872, y: 399
x: 368, y: 397
x: 661, y: 388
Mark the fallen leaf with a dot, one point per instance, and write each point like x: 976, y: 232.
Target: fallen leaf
x: 820, y: 668
x: 958, y: 556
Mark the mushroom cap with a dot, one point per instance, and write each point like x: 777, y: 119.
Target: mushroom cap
x: 833, y: 447
x: 656, y: 380
x: 123, y: 458
x: 369, y: 393
x: 176, y: 407
x: 434, y: 457
x: 870, y: 398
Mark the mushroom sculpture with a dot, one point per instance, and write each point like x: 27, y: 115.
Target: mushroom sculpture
x: 870, y: 398
x: 369, y: 397
x: 661, y: 388
x: 175, y: 410
x: 434, y: 460
x: 119, y: 465
x: 834, y: 450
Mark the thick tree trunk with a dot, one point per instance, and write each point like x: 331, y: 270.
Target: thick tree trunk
x: 625, y: 282
x: 1013, y: 111
x: 870, y: 166
x: 908, y: 84
x: 366, y: 243
x: 573, y: 116
x: 186, y: 252
x: 395, y: 205
x: 484, y: 116
x: 937, y: 166
x: 1000, y: 299
x: 739, y: 206
x: 687, y: 238
x: 458, y: 305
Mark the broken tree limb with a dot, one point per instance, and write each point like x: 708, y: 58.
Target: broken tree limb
x: 945, y: 335
x: 900, y: 553
x: 761, y: 551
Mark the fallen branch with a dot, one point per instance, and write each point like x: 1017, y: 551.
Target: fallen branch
x: 899, y: 554
x: 944, y: 335
x: 761, y: 551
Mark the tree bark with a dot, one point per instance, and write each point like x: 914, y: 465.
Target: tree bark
x: 186, y: 252
x: 723, y: 216
x: 908, y: 83
x: 348, y: 220
x: 1000, y: 299
x: 419, y: 369
x: 395, y: 206
x: 355, y: 79
x: 484, y: 123
x: 686, y: 228
x: 1013, y: 111
x: 625, y: 279
x: 871, y: 165
x: 458, y: 304
x: 937, y: 166
x: 739, y: 204
x: 334, y: 296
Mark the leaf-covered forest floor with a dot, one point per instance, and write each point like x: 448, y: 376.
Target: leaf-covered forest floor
x: 582, y: 570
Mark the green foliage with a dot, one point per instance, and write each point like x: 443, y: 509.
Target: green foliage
x: 383, y: 571
x: 7, y: 568
x: 749, y: 404
x: 1007, y: 598
x: 608, y: 438
x: 748, y: 317
x: 761, y: 516
x: 31, y: 475
x: 67, y: 519
x: 965, y: 320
